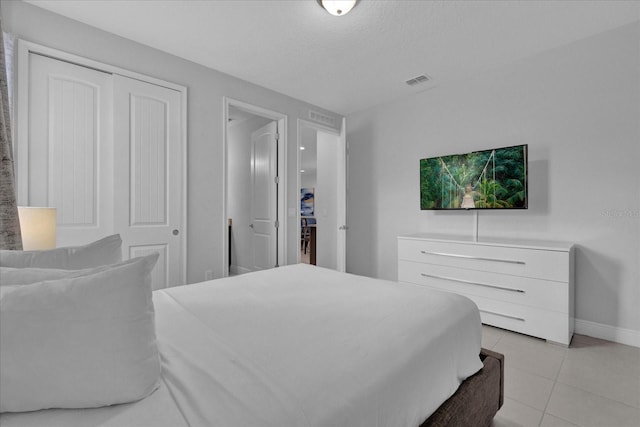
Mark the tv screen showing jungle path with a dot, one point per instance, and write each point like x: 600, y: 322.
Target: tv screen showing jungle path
x: 489, y: 179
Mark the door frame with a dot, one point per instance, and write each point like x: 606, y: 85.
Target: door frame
x: 341, y: 134
x: 282, y: 120
x: 21, y: 130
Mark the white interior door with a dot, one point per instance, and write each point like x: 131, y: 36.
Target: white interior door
x: 264, y: 196
x: 148, y: 175
x: 65, y: 160
x: 325, y: 200
x: 341, y: 199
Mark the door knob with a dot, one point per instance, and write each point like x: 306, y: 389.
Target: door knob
x: 250, y: 225
x: 175, y: 232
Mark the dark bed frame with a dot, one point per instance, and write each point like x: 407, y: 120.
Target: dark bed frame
x: 478, y: 398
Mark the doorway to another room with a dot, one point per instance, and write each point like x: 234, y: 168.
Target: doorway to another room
x: 254, y: 188
x: 322, y: 184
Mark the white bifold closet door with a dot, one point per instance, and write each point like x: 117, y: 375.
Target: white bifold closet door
x: 68, y: 160
x: 148, y: 170
x: 106, y: 151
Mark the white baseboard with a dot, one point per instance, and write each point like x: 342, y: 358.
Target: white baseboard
x: 609, y: 333
x: 236, y: 269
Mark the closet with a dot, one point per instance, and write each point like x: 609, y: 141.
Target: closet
x: 107, y: 151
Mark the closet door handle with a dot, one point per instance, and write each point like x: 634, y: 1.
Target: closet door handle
x: 469, y: 282
x: 508, y: 261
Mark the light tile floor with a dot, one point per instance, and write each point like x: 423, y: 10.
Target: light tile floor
x: 593, y: 383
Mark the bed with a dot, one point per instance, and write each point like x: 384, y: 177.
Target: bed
x: 306, y: 346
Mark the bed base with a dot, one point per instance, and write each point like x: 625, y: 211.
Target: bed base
x: 478, y: 398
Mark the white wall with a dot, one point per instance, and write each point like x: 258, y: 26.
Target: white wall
x: 206, y: 89
x: 578, y: 108
x: 239, y: 189
x: 308, y: 180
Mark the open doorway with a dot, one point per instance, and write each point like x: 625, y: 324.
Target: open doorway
x: 254, y: 201
x: 322, y: 186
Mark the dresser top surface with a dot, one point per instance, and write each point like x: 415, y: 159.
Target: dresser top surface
x: 490, y: 241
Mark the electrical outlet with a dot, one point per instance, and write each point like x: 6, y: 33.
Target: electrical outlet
x: 208, y: 275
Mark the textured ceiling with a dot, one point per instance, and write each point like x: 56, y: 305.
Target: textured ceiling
x: 350, y: 63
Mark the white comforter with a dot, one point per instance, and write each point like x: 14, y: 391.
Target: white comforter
x: 298, y: 346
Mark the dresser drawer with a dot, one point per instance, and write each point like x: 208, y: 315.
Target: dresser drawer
x: 524, y: 262
x: 546, y: 324
x: 545, y: 294
x: 550, y: 325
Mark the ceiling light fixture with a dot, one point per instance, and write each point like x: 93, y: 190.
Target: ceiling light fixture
x: 337, y: 7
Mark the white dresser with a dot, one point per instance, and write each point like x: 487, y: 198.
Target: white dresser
x: 522, y: 286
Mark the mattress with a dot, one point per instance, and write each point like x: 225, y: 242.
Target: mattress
x: 297, y: 346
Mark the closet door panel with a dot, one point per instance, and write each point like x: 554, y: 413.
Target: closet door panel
x: 148, y: 162
x: 69, y: 148
x: 148, y: 174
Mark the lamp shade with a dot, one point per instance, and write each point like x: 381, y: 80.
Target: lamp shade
x: 338, y: 7
x: 38, y: 228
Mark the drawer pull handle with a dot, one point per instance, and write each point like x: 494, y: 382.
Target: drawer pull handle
x: 508, y: 261
x: 469, y: 282
x: 502, y: 315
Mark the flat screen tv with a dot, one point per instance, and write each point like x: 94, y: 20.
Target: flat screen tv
x: 488, y: 179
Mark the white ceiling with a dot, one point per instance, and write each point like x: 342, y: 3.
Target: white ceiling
x: 350, y: 63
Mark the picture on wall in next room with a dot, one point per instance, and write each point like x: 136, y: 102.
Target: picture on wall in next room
x: 488, y: 179
x: 306, y: 202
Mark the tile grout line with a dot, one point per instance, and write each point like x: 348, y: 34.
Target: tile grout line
x: 555, y: 382
x: 585, y: 390
x: 566, y: 365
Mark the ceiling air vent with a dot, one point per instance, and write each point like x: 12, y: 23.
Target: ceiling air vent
x: 423, y: 78
x: 322, y: 118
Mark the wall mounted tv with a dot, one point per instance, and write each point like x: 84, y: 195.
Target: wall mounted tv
x: 489, y: 179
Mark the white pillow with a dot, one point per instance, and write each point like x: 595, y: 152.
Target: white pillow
x: 79, y: 342
x: 25, y: 276
x: 101, y: 252
x: 29, y: 275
